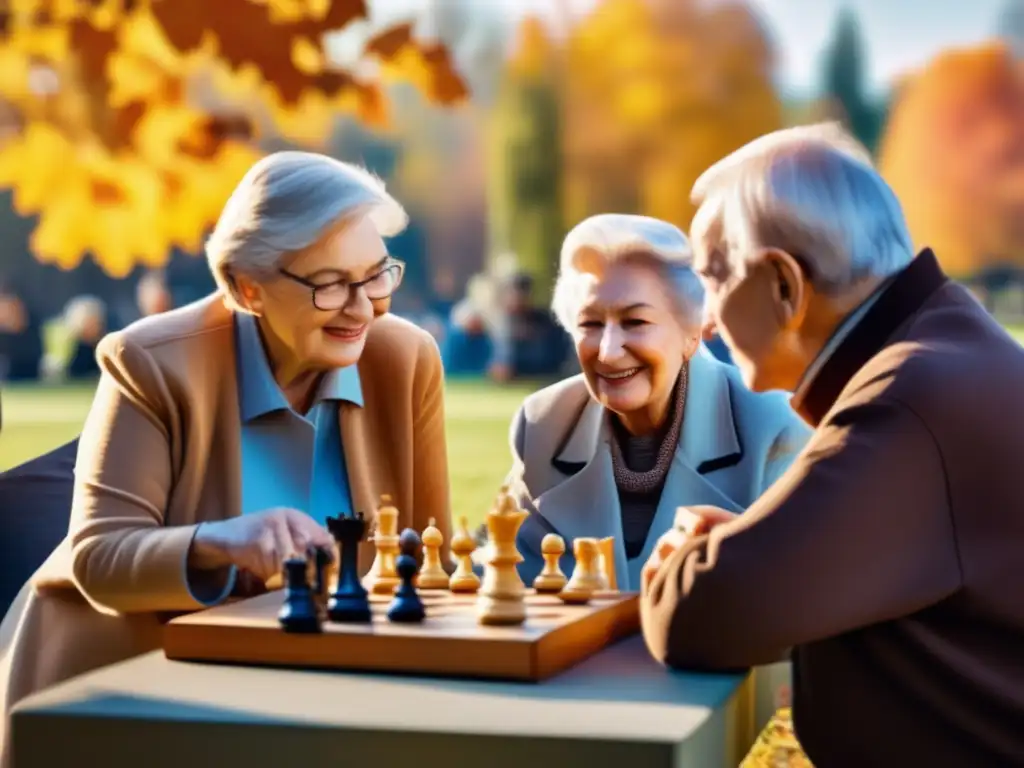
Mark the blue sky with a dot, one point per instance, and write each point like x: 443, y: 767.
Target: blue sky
x: 899, y: 34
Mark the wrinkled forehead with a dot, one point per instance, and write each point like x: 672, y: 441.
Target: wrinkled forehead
x: 349, y: 248
x: 622, y: 285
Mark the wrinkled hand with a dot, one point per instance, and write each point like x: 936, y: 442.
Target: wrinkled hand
x: 257, y: 543
x: 690, y: 522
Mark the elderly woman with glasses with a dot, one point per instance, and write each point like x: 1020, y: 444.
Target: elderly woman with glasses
x: 654, y: 422
x: 223, y: 433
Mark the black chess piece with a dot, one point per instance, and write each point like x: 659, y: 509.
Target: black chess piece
x: 299, y: 612
x: 407, y: 607
x: 321, y: 557
x: 349, y: 603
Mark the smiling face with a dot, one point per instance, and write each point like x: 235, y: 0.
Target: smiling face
x: 630, y: 341
x: 299, y: 335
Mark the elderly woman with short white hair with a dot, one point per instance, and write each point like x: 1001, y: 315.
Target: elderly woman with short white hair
x: 225, y: 432
x: 653, y: 422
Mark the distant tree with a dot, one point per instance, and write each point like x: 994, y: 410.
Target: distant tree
x: 953, y: 151
x: 525, y: 195
x: 843, y: 75
x: 658, y: 91
x: 1010, y: 26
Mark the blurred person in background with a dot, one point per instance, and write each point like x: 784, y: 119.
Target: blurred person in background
x: 152, y: 296
x: 527, y: 340
x: 886, y: 563
x: 467, y: 348
x: 654, y: 421
x: 223, y: 433
x: 21, y: 339
x: 85, y: 322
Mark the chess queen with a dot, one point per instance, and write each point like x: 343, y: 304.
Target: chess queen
x: 224, y: 432
x: 654, y: 421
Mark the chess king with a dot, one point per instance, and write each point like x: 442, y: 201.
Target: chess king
x: 223, y: 433
x: 654, y: 421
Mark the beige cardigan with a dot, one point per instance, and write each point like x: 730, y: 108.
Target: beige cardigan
x: 159, y: 454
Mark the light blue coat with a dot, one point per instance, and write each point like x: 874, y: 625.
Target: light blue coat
x: 734, y: 444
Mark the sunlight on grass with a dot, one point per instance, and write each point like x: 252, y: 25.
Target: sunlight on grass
x: 37, y: 419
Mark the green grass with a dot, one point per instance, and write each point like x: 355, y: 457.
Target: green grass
x: 37, y: 419
x: 40, y: 418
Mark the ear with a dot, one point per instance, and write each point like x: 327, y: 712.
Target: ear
x: 248, y: 293
x: 789, y: 287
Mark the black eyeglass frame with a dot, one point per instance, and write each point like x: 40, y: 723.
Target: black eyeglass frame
x: 351, y: 285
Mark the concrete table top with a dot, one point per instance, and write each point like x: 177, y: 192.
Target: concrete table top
x: 619, y: 708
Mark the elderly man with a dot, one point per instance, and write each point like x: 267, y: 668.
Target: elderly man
x: 888, y: 557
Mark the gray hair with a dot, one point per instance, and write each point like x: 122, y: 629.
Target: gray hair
x: 614, y: 236
x: 285, y: 203
x: 811, y: 191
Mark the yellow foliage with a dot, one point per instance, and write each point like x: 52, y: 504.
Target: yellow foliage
x: 952, y: 151
x: 114, y: 151
x: 667, y: 88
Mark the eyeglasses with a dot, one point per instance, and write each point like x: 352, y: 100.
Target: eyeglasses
x: 329, y: 297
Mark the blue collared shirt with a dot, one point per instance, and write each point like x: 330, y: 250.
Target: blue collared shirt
x: 288, y: 460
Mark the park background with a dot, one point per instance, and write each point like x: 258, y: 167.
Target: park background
x: 499, y: 124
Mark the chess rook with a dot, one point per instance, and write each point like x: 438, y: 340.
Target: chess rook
x: 551, y: 580
x: 299, y: 614
x: 464, y: 580
x: 502, y: 594
x: 406, y: 606
x: 382, y: 577
x: 432, y: 575
x: 349, y: 602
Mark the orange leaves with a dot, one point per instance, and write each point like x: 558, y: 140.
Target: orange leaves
x: 954, y: 152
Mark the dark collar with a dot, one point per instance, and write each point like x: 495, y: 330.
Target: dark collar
x: 904, y: 296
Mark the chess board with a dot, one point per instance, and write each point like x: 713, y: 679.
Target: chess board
x: 449, y: 642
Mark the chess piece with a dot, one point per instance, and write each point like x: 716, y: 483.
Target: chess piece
x: 382, y: 578
x: 551, y: 580
x: 463, y: 546
x: 432, y: 575
x: 606, y: 564
x: 406, y: 606
x: 321, y: 558
x: 349, y: 602
x: 502, y: 593
x: 585, y: 579
x: 299, y: 613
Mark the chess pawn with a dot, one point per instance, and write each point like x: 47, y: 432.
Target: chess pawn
x: 432, y: 574
x: 463, y: 547
x: 551, y: 580
x: 382, y: 578
x: 502, y: 593
x: 299, y: 614
x: 585, y: 579
x: 406, y: 606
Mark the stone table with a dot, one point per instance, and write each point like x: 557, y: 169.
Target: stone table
x: 617, y: 709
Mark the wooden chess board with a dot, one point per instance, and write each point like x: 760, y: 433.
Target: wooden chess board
x: 449, y: 642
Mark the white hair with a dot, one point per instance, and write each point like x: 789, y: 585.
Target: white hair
x: 80, y: 310
x: 811, y: 191
x: 613, y: 236
x: 285, y: 203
